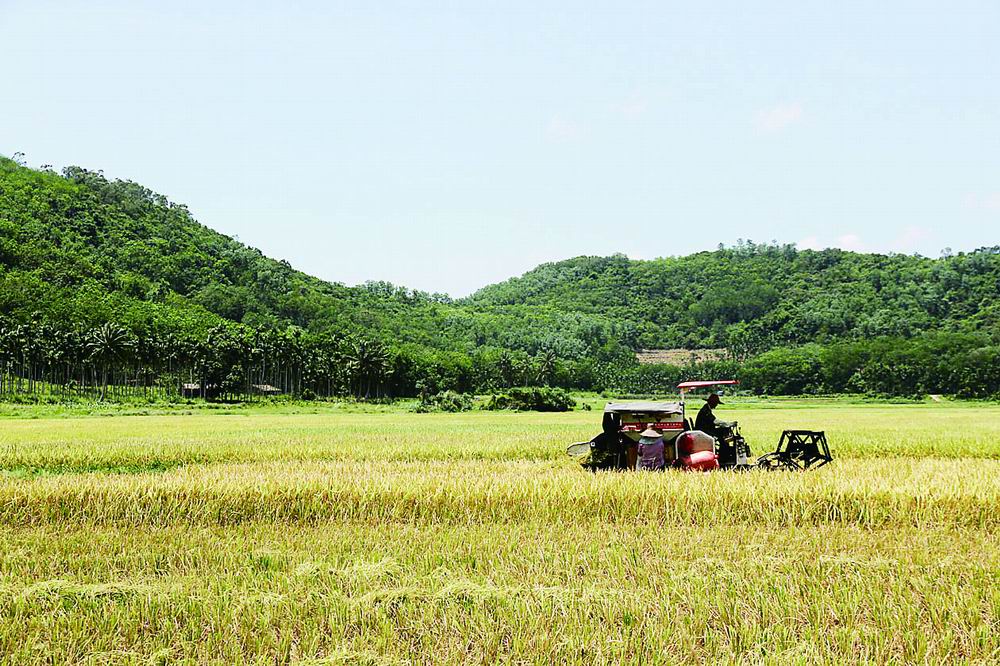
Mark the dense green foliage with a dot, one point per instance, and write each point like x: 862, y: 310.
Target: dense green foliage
x: 532, y: 399
x: 966, y: 365
x: 108, y: 289
x: 755, y: 296
x: 445, y: 401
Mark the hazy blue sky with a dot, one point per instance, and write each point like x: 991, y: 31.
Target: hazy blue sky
x: 446, y: 145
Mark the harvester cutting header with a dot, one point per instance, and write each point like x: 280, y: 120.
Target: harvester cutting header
x: 647, y: 435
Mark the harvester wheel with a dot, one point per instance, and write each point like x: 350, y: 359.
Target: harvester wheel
x: 777, y: 462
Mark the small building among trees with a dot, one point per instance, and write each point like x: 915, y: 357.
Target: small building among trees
x: 191, y: 391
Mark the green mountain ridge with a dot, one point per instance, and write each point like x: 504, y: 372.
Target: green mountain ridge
x: 705, y: 299
x: 79, y: 248
x: 79, y: 252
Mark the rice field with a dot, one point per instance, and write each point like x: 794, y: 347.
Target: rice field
x: 334, y: 537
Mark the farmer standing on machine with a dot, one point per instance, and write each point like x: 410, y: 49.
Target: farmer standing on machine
x: 706, y: 421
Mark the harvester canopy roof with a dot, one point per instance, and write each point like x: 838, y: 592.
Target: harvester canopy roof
x: 645, y: 407
x: 685, y: 386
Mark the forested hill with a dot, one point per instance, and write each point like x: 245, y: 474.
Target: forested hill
x: 78, y: 250
x: 766, y: 295
x: 107, y: 284
x: 83, y: 248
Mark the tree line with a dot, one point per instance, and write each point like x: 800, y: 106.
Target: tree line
x: 965, y: 365
x: 236, y: 362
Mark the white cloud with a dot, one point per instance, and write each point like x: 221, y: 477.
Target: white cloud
x: 990, y: 201
x: 641, y: 253
x: 564, y: 131
x: 779, y: 117
x: 810, y: 243
x: 851, y: 242
x: 632, y: 108
x: 911, y: 239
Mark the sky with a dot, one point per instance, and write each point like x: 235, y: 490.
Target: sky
x: 448, y: 145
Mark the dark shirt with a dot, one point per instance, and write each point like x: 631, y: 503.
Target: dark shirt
x: 706, y: 421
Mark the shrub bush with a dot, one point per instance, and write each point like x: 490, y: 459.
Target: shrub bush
x: 445, y: 401
x: 532, y: 399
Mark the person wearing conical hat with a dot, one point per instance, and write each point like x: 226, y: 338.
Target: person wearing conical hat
x: 650, y: 451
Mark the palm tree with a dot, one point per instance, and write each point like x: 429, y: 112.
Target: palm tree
x: 547, y: 366
x: 505, y: 368
x: 6, y: 355
x: 368, y: 361
x: 525, y: 370
x: 108, y: 343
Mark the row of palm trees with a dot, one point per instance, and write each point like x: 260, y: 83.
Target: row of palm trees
x: 112, y: 361
x: 513, y: 371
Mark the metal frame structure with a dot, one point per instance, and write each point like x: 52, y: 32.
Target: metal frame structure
x: 798, y: 450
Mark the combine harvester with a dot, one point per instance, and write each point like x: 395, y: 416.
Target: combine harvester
x: 617, y: 447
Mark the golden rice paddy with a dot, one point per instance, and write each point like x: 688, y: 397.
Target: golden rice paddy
x: 409, y: 538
